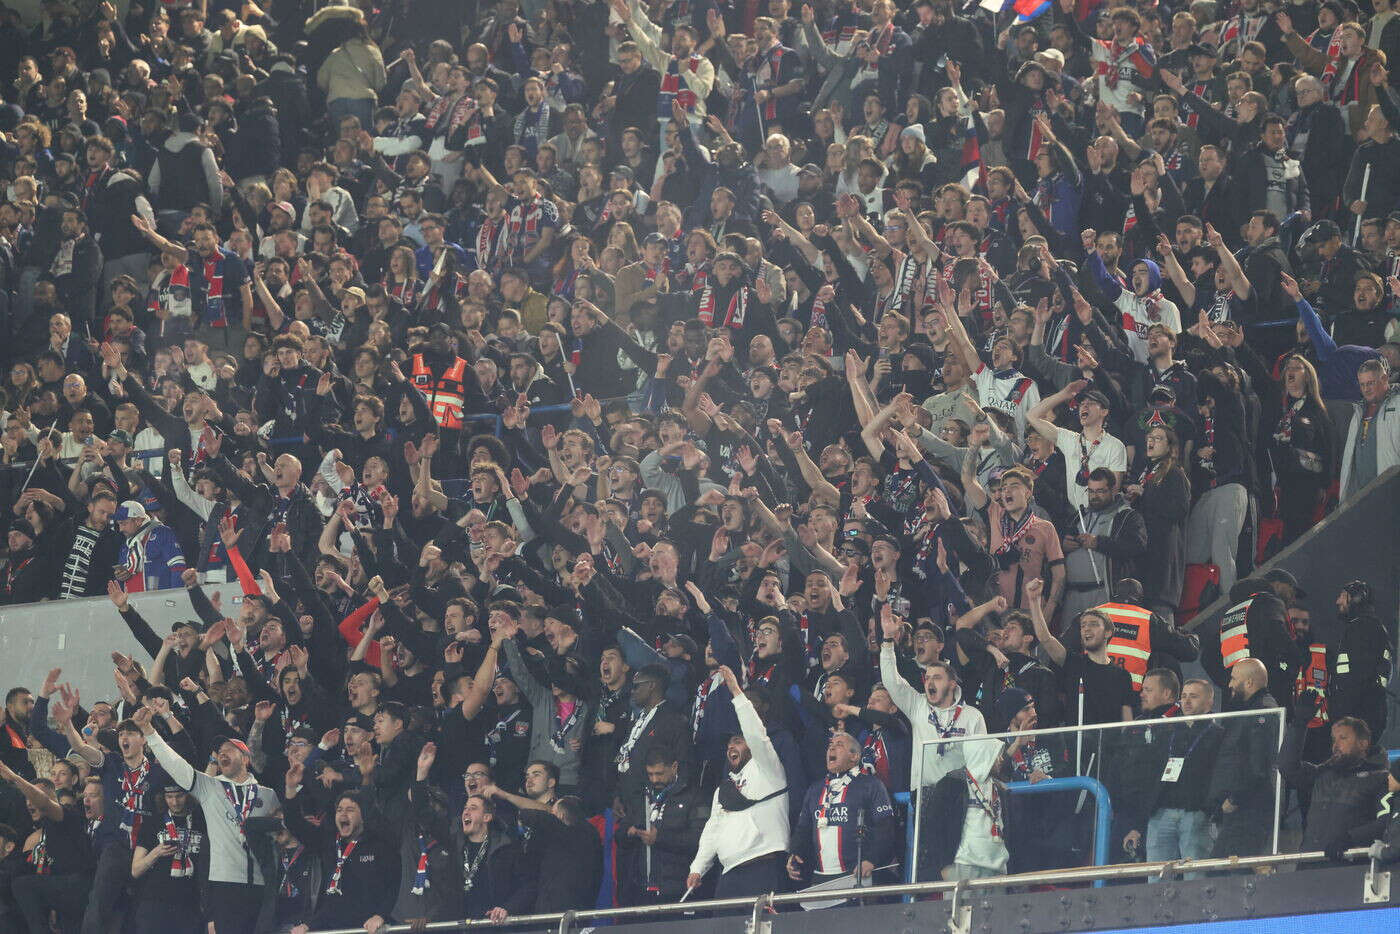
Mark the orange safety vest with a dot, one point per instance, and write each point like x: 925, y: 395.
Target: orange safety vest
x: 447, y: 394
x: 1314, y: 675
x: 1131, y: 644
x: 1234, y: 633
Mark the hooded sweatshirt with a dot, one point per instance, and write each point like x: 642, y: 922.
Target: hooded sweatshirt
x: 1138, y: 312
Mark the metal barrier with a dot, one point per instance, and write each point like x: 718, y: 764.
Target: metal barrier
x: 565, y: 922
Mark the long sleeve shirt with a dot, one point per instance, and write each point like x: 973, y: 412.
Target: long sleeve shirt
x: 227, y: 806
x: 735, y: 837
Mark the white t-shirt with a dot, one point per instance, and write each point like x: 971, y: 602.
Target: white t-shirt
x: 1016, y: 394
x: 1107, y: 452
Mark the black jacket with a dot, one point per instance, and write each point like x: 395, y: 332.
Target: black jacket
x: 1345, y: 794
x: 1244, y: 768
x: 683, y: 813
x: 569, y: 858
x: 369, y: 874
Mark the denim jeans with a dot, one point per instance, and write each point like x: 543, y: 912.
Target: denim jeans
x: 1176, y: 834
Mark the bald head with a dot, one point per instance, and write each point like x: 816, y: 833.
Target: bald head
x: 1247, y: 678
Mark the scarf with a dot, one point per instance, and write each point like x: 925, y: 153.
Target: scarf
x: 215, y: 314
x: 1148, y: 472
x: 702, y: 697
x: 817, y: 318
x: 1086, y: 451
x: 1283, y: 433
x: 875, y: 756
x: 39, y: 857
x: 343, y: 849
x: 656, y: 802
x: 772, y: 60
x: 1134, y: 53
x: 1199, y: 89
x: 470, y: 864
x: 243, y: 803
x: 1011, y: 534
x: 562, y: 725
x: 181, y: 866
x: 532, y: 127
x: 639, y: 726
x: 672, y: 88
x: 1334, y: 60
x: 420, y: 874
x: 463, y: 111
x: 734, y: 313
x: 133, y: 790
x: 288, y: 861
x: 487, y: 240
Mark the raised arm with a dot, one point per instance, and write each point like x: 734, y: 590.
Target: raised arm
x: 1036, y: 417
x: 1053, y: 647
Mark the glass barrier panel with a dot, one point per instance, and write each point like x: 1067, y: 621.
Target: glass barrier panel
x: 1039, y: 800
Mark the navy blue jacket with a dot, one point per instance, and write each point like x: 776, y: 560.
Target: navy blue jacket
x: 866, y: 796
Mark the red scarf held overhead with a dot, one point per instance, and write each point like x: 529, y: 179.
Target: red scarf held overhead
x: 1108, y: 70
x: 1334, y: 61
x: 734, y: 313
x: 463, y: 111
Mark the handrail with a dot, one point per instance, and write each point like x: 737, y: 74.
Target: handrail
x: 1086, y: 874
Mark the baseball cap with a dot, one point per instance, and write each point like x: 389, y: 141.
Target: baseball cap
x: 121, y: 436
x: 685, y: 642
x: 356, y: 291
x: 24, y: 527
x: 624, y: 171
x: 1093, y: 395
x: 130, y: 509
x: 285, y: 206
x: 236, y: 744
x: 1285, y: 576
x: 810, y: 168
x: 654, y: 237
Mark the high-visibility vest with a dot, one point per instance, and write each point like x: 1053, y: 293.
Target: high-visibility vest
x: 447, y: 394
x: 1234, y: 633
x: 1314, y: 675
x: 1131, y: 644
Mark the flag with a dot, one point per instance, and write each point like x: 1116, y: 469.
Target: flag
x: 1025, y: 10
x: 974, y: 175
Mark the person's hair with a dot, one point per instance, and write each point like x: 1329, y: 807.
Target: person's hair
x: 13, y: 693
x: 1168, y: 679
x: 1203, y: 682
x: 396, y: 710
x: 1313, y: 387
x: 550, y: 769
x: 1104, y: 475
x: 1020, y: 475
x: 1376, y: 365
x: 1357, y: 726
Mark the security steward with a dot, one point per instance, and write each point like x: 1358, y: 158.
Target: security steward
x: 1360, y: 664
x: 449, y: 383
x: 1256, y: 626
x: 1143, y: 640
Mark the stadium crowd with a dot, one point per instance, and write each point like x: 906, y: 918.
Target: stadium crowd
x: 692, y: 413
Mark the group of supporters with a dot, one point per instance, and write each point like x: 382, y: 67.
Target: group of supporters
x: 711, y: 416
